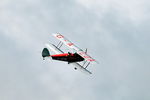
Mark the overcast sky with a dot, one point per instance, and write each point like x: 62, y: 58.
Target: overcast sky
x: 116, y: 33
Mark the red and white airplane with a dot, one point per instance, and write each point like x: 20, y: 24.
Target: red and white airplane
x: 71, y: 58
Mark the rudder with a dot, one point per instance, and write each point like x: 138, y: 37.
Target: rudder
x: 45, y: 53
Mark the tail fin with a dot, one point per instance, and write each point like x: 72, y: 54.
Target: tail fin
x: 45, y: 53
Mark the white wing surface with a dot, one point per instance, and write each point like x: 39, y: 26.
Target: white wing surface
x: 65, y: 41
x: 72, y: 46
x: 58, y: 51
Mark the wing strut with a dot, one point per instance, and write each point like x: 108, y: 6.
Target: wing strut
x: 59, y: 45
x: 84, y: 63
x: 87, y: 65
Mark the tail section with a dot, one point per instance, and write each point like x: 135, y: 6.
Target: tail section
x: 45, y: 53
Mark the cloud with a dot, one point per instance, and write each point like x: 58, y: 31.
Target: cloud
x: 134, y: 10
x: 115, y: 33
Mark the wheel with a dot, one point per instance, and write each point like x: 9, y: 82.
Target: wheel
x: 75, y: 68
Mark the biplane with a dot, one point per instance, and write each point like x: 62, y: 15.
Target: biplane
x: 71, y: 58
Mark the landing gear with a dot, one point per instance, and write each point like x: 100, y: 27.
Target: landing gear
x: 75, y: 68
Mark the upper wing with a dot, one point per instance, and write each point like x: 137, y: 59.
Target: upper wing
x: 58, y: 51
x: 65, y: 41
x: 85, y: 56
x: 72, y: 46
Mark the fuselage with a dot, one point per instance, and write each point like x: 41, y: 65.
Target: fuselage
x: 68, y: 57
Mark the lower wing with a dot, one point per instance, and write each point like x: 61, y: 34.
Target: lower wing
x: 58, y: 51
x: 81, y: 68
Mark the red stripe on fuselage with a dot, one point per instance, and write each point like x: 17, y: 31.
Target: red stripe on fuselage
x: 61, y: 55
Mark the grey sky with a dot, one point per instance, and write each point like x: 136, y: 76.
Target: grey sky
x: 115, y: 32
